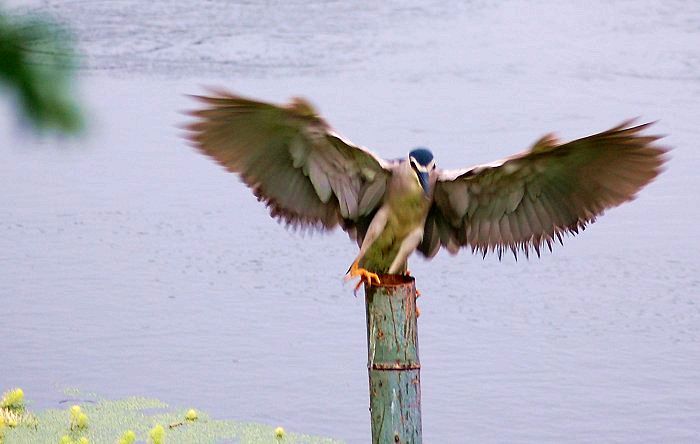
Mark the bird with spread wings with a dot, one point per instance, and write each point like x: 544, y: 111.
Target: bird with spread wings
x: 309, y: 176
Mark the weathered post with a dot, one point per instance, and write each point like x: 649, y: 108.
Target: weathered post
x: 393, y: 364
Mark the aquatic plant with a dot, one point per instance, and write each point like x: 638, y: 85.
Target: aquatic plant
x: 157, y: 434
x: 82, y: 421
x: 128, y: 437
x: 78, y: 418
x: 191, y: 415
x: 13, y: 412
x: 66, y: 439
x: 128, y: 421
x: 10, y: 419
x: 13, y: 399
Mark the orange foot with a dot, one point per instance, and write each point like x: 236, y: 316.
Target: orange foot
x: 366, y: 277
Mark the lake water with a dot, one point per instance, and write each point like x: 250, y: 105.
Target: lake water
x: 130, y: 264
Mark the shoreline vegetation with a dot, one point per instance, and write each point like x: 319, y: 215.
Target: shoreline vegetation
x: 90, y: 419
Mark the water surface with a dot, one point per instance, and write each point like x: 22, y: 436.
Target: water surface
x: 130, y: 264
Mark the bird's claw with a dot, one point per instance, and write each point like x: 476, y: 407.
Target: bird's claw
x: 366, y: 277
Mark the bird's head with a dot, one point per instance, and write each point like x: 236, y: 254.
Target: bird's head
x: 422, y: 163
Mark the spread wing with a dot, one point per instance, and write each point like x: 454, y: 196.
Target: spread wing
x: 292, y: 160
x: 530, y: 199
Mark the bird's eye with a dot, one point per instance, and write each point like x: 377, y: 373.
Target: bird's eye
x: 434, y: 166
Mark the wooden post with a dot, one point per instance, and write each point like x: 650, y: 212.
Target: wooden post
x: 393, y: 364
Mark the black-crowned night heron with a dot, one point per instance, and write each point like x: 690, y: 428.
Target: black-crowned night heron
x: 309, y: 176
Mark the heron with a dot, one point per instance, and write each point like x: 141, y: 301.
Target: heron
x: 311, y: 177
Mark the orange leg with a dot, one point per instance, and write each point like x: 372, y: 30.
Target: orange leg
x: 366, y: 277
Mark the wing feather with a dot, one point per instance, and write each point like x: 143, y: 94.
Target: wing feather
x: 372, y: 194
x: 306, y: 174
x: 530, y: 199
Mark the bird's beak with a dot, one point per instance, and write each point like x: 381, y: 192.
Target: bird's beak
x: 424, y: 179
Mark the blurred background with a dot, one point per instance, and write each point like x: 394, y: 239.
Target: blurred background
x: 131, y: 265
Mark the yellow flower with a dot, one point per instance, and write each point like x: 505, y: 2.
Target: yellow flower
x: 280, y: 433
x: 191, y: 415
x: 65, y: 439
x: 128, y: 437
x: 157, y: 434
x: 78, y: 419
x: 84, y: 440
x: 13, y: 399
x: 74, y: 413
x: 82, y: 421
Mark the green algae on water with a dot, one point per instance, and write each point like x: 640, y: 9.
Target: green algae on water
x: 132, y: 420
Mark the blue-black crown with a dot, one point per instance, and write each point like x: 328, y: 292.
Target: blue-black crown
x: 422, y: 155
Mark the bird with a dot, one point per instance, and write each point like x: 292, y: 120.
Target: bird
x: 311, y: 177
